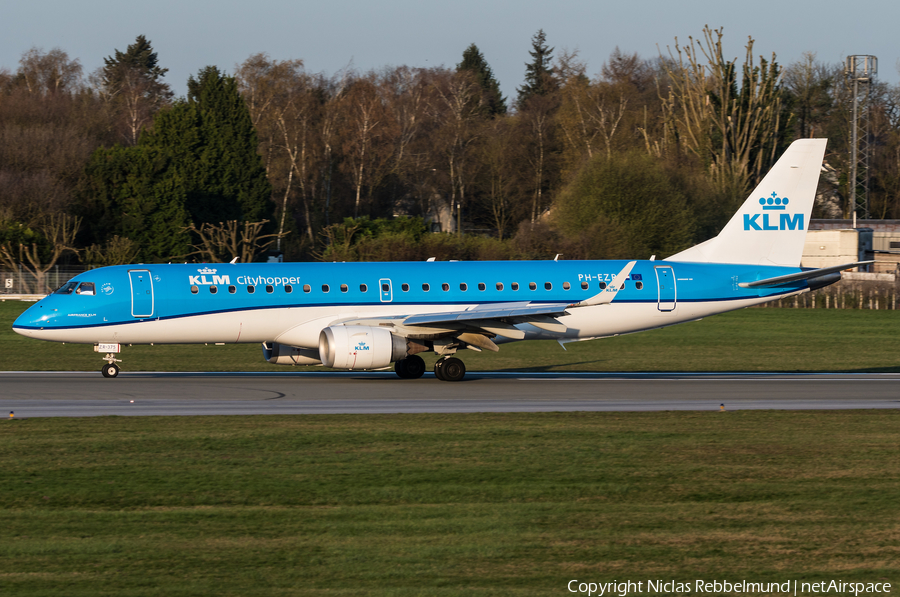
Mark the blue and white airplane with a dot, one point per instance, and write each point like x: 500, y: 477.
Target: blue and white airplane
x: 360, y: 316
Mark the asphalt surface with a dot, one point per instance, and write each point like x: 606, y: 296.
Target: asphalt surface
x: 87, y: 394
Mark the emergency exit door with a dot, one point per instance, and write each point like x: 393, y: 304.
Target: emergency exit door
x: 665, y: 281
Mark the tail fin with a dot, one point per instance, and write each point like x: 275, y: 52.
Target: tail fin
x: 770, y: 227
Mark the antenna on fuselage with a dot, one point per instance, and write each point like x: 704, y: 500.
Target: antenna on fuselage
x: 558, y: 255
x: 235, y: 260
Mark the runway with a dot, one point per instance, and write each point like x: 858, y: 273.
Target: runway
x: 88, y: 394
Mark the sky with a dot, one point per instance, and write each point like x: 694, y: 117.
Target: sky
x: 333, y: 34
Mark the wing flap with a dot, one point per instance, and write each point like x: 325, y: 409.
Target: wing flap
x: 497, y: 311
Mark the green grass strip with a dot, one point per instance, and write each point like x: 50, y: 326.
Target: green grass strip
x: 480, y: 504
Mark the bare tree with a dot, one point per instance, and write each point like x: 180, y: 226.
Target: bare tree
x: 59, y: 232
x: 460, y: 113
x: 227, y: 240
x: 48, y: 73
x: 735, y: 128
x: 364, y: 119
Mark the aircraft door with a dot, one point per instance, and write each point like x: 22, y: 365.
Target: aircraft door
x: 384, y: 285
x: 665, y: 280
x: 142, y: 300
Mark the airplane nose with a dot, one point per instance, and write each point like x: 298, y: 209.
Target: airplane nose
x: 31, y: 320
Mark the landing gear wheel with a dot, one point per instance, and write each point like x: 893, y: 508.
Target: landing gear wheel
x: 438, y: 369
x: 453, y: 369
x: 415, y: 366
x: 110, y: 370
x: 400, y: 369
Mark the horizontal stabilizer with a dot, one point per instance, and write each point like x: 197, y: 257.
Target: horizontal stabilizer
x: 807, y: 275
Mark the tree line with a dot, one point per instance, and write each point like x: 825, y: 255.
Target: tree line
x: 647, y: 156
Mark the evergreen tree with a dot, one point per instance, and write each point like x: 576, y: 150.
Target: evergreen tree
x: 131, y: 192
x: 198, y: 164
x: 539, y: 76
x: 137, y: 61
x: 229, y: 181
x: 474, y: 62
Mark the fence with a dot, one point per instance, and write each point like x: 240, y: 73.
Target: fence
x: 22, y: 281
x: 850, y: 293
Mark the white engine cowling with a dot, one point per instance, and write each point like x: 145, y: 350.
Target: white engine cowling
x: 359, y: 347
x: 282, y: 354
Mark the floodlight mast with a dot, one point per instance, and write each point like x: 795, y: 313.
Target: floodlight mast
x: 860, y: 71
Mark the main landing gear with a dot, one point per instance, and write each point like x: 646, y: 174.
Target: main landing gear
x: 445, y: 369
x: 449, y: 369
x: 410, y: 368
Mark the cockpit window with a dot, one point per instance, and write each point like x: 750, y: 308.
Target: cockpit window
x: 86, y: 288
x: 66, y: 288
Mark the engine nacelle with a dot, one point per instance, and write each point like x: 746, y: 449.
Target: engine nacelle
x: 359, y: 347
x: 282, y: 354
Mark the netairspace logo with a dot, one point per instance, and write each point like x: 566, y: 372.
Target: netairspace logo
x: 784, y: 222
x: 625, y: 588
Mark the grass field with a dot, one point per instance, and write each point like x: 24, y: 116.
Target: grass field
x: 482, y: 504
x: 747, y: 340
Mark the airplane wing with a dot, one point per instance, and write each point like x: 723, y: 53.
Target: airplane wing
x: 494, y: 311
x: 807, y: 275
x: 477, y: 325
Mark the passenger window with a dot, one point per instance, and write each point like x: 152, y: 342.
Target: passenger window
x: 288, y: 288
x: 325, y: 288
x: 306, y: 288
x: 639, y: 285
x: 344, y: 288
x: 463, y: 286
x: 426, y: 287
x: 251, y: 289
x: 445, y: 287
x: 232, y: 290
x: 499, y: 285
x: 67, y: 288
x: 602, y: 285
x: 269, y: 289
x: 514, y: 285
x: 548, y: 286
x: 566, y: 286
x: 86, y: 288
x: 532, y: 286
x: 385, y: 288
x: 194, y: 290
x: 584, y: 285
x: 213, y: 289
x: 363, y: 288
x: 481, y: 286
x: 404, y: 287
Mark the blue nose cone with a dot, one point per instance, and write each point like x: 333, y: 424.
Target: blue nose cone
x: 34, y: 318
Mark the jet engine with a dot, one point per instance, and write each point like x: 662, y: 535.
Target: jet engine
x: 360, y: 347
x: 282, y: 354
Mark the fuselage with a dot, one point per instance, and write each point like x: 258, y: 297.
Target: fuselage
x: 292, y: 303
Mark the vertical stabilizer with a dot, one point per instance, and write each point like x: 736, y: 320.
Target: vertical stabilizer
x: 770, y: 227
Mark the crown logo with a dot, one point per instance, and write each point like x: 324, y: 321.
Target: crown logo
x: 774, y: 202
x: 206, y: 270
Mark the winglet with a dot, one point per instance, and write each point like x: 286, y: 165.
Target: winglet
x: 607, y: 295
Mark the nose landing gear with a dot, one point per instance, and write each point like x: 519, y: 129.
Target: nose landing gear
x: 110, y: 370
